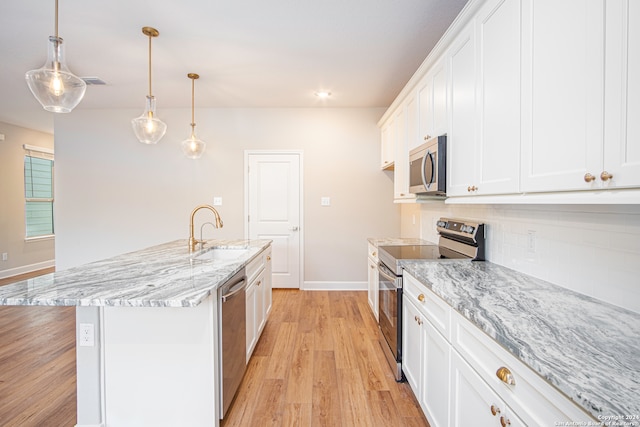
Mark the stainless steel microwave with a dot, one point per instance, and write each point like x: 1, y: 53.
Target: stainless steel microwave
x: 427, y: 167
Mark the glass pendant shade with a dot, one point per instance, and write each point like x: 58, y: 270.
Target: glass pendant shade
x: 148, y: 128
x: 55, y: 87
x: 193, y: 147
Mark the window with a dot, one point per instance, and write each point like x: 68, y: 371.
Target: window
x: 38, y: 191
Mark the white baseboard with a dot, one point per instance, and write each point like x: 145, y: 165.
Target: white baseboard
x: 27, y: 268
x: 335, y: 286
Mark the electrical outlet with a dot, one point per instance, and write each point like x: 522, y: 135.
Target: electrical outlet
x: 217, y: 201
x: 5, y: 256
x: 531, y: 241
x: 325, y: 201
x: 86, y: 335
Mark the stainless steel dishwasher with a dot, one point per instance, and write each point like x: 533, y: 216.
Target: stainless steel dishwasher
x: 232, y: 331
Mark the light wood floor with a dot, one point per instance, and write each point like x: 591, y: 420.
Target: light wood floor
x: 318, y: 363
x: 37, y: 365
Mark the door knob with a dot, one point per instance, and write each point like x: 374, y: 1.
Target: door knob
x: 294, y: 228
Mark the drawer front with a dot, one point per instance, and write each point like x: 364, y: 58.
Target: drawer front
x: 429, y: 304
x: 373, y: 252
x: 534, y: 400
x: 254, y: 267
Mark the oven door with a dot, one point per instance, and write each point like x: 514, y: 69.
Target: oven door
x: 390, y: 317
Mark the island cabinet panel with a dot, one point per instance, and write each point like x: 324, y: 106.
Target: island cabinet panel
x: 258, y: 298
x: 372, y: 279
x: 562, y: 89
x: 160, y: 365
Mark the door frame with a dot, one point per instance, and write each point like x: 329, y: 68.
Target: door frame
x: 245, y: 175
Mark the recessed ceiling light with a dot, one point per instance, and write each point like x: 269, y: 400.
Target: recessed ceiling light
x: 323, y: 94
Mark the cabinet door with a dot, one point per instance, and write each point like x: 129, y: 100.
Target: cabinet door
x: 425, y: 109
x: 412, y: 323
x: 260, y: 315
x: 473, y: 402
x: 461, y: 142
x: 373, y: 287
x: 562, y: 90
x: 435, y: 378
x: 386, y: 147
x: 498, y: 36
x: 251, y: 319
x: 401, y: 157
x: 268, y: 285
x: 439, y: 99
x: 622, y: 96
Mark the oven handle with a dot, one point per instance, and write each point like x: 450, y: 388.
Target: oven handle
x: 383, y: 270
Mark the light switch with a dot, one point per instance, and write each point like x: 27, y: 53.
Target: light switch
x: 1, y: 136
x: 325, y: 201
x: 217, y: 201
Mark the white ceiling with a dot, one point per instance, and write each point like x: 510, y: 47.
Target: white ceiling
x: 249, y: 53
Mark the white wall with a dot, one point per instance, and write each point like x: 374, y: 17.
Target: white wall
x: 594, y: 250
x: 22, y: 256
x: 116, y: 195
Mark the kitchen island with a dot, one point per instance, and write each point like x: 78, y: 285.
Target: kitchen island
x: 147, y: 337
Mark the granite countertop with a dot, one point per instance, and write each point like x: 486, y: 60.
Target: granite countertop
x: 160, y: 276
x: 586, y: 348
x: 397, y: 241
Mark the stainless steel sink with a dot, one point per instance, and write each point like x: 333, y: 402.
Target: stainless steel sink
x: 222, y: 254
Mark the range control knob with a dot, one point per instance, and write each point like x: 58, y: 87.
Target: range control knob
x: 442, y: 224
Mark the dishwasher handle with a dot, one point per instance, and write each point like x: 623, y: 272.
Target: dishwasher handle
x: 234, y: 289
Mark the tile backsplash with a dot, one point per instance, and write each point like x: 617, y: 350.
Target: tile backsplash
x: 594, y: 250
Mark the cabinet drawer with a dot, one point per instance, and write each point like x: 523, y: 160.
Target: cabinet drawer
x: 254, y: 267
x: 373, y: 253
x: 429, y: 304
x: 534, y: 400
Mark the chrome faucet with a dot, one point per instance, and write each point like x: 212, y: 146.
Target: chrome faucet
x: 192, y: 240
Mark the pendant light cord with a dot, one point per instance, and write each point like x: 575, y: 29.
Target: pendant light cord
x: 56, y: 28
x: 150, y: 95
x: 193, y: 120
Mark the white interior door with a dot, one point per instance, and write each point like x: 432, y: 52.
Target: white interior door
x: 274, y: 211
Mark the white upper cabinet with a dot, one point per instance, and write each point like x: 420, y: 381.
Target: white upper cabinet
x: 401, y: 157
x: 432, y: 108
x: 386, y: 149
x: 498, y: 149
x: 461, y: 140
x: 484, y: 139
x: 562, y: 89
x: 622, y: 94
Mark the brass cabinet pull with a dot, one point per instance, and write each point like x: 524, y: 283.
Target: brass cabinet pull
x: 472, y: 188
x: 259, y: 282
x: 421, y: 297
x: 494, y: 410
x: 505, y: 376
x: 504, y: 422
x: 588, y: 177
x: 268, y: 257
x: 418, y: 320
x: 606, y: 176
x: 427, y: 137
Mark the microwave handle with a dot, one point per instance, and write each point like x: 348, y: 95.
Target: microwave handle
x: 427, y: 155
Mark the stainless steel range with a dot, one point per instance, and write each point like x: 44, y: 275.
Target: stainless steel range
x: 459, y: 239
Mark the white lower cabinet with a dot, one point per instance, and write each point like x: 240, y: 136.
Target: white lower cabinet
x: 473, y: 402
x: 258, y: 298
x: 372, y: 283
x: 462, y: 377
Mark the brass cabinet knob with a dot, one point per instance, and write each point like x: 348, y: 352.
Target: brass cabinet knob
x: 372, y: 266
x: 504, y: 422
x: 418, y: 320
x: 494, y: 410
x: 505, y: 376
x: 259, y: 282
x: 606, y: 176
x: 427, y: 137
x: 374, y: 253
x: 588, y: 177
x: 472, y: 188
x: 421, y: 297
x: 268, y: 257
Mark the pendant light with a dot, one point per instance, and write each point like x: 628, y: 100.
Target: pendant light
x: 193, y: 147
x: 148, y: 128
x: 53, y: 85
